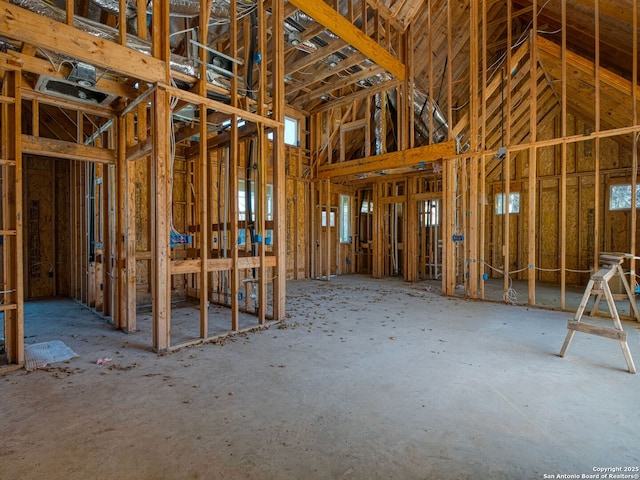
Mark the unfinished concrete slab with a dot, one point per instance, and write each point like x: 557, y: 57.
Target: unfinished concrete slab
x: 367, y: 379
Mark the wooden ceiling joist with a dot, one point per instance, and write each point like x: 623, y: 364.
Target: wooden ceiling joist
x: 333, y: 21
x: 25, y: 26
x: 339, y: 83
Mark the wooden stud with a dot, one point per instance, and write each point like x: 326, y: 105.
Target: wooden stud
x: 13, y: 299
x: 634, y: 151
x: 234, y: 162
x: 506, y: 173
x: 533, y: 155
x: 122, y: 22
x: 203, y: 187
x: 69, y: 12
x: 120, y: 314
x: 563, y: 160
x: 161, y: 208
x: 472, y: 232
x: 328, y: 229
x: 141, y: 20
x: 597, y: 190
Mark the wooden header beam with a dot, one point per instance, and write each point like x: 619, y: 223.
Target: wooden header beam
x: 333, y: 21
x: 405, y: 158
x: 48, y: 147
x: 23, y: 25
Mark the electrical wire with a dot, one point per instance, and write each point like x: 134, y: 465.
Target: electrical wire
x: 173, y: 103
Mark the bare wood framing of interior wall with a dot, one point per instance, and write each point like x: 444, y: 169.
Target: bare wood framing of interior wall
x: 12, y: 218
x: 449, y: 180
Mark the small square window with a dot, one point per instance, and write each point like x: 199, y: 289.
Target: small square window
x: 345, y: 219
x: 291, y: 131
x: 620, y: 196
x: 514, y: 203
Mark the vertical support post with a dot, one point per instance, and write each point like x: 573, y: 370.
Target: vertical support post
x: 205, y: 225
x: 408, y: 35
x: 122, y: 21
x: 563, y: 160
x: 449, y: 225
x: 473, y: 205
x: 130, y: 266
x: 430, y: 54
x: 120, y: 313
x: 634, y: 152
x: 203, y: 213
x: 482, y: 147
x: 533, y: 155
x: 449, y: 181
x: 327, y: 237
x: 12, y: 216
x: 142, y: 20
x: 263, y: 163
x: 234, y: 166
x: 161, y: 208
x: 279, y: 174
x: 70, y: 12
x: 506, y: 171
x: 377, y: 237
x: 597, y: 191
x: 261, y: 214
x: 411, y: 237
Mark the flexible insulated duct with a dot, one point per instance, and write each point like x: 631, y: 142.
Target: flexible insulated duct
x: 46, y: 9
x: 177, y: 8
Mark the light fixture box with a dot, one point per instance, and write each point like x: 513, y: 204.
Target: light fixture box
x: 83, y: 74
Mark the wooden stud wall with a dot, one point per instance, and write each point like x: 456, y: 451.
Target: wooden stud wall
x: 562, y: 178
x: 126, y: 188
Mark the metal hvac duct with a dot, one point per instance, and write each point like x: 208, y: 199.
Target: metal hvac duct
x: 47, y: 9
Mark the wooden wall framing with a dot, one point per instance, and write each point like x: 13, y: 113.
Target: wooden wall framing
x: 136, y: 177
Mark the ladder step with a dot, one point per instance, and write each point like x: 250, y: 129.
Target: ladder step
x: 612, y: 333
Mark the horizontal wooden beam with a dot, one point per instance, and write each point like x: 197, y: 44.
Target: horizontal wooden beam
x: 23, y: 25
x: 9, y: 63
x: 219, y: 106
x: 140, y: 150
x: 179, y: 267
x: 29, y: 93
x: 44, y: 67
x: 387, y: 161
x: 605, y: 332
x: 336, y: 23
x: 48, y: 147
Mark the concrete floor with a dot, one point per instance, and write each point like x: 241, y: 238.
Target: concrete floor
x: 367, y: 379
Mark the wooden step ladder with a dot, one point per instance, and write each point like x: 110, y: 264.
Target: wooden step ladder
x: 610, y: 267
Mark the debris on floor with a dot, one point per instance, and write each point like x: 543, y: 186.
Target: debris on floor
x: 39, y: 355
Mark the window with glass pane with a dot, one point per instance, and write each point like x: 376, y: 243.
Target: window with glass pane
x: 291, y: 131
x: 514, y: 203
x: 620, y: 196
x: 345, y: 216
